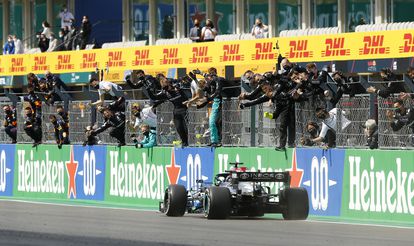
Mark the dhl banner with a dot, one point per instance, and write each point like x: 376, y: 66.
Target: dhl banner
x: 258, y: 55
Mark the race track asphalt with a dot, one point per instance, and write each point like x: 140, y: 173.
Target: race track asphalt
x: 24, y: 223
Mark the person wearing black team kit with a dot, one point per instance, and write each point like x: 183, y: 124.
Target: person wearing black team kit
x: 172, y: 91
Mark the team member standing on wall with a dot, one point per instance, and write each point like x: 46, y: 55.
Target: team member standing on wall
x: 105, y: 87
x: 213, y: 89
x: 172, y: 91
x: 10, y: 122
x: 33, y: 126
x: 61, y: 133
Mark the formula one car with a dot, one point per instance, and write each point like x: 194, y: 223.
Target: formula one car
x: 238, y: 192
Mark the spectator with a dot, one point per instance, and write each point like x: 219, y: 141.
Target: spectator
x: 43, y: 43
x: 46, y: 29
x: 53, y: 44
x: 70, y: 41
x: 9, y: 47
x: 18, y: 45
x: 61, y: 133
x: 259, y: 30
x: 167, y: 27
x: 329, y: 120
x: 371, y: 133
x: 401, y: 116
x: 208, y: 33
x: 66, y: 17
x: 150, y: 137
x: 195, y: 32
x: 86, y: 29
x: 390, y: 88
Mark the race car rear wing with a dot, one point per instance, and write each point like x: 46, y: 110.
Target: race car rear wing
x: 262, y: 176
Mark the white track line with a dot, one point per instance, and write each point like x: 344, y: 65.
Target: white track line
x: 153, y: 210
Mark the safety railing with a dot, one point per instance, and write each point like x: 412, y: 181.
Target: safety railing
x: 240, y: 127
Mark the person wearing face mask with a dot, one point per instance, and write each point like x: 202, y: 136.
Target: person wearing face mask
x: 401, y: 116
x: 195, y: 32
x: 150, y: 137
x: 259, y: 30
x: 208, y: 33
x: 312, y: 129
x: 9, y: 47
x: 32, y: 126
x: 172, y: 91
x: 390, y: 88
x: 19, y: 49
x: 410, y: 75
x: 85, y: 30
x: 65, y: 117
x: 329, y: 125
x: 116, y: 120
x: 43, y: 43
x: 35, y: 104
x: 55, y: 81
x: 144, y: 115
x: 138, y: 79
x: 53, y: 44
x: 105, y: 87
x: 60, y: 130
x: 10, y: 122
x: 289, y: 67
x: 65, y: 17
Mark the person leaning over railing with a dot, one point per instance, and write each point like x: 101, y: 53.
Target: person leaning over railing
x: 60, y: 131
x: 391, y: 87
x: 105, y: 87
x: 401, y: 116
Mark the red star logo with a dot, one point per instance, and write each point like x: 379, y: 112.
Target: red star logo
x: 71, y: 169
x: 296, y: 174
x: 173, y: 170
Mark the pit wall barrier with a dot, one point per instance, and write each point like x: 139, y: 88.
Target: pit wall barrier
x: 257, y: 55
x: 371, y: 185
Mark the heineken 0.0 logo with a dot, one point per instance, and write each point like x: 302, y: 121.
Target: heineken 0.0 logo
x: 89, y: 173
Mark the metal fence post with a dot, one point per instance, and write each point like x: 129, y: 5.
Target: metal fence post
x: 253, y: 126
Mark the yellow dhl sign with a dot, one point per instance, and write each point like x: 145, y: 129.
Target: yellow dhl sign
x: 258, y: 55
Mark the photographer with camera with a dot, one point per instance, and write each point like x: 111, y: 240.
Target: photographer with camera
x: 259, y: 30
x: 390, y: 88
x: 401, y: 116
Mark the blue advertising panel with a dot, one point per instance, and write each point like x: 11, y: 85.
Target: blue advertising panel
x: 90, y: 175
x: 196, y: 164
x: 322, y: 177
x: 6, y: 169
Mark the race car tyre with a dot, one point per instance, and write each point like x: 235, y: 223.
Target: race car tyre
x: 175, y: 200
x: 297, y: 204
x: 217, y: 203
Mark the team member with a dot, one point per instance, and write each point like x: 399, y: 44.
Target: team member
x: 115, y: 120
x: 61, y: 131
x: 171, y: 91
x: 105, y: 87
x: 32, y: 126
x: 144, y: 115
x: 35, y: 104
x: 10, y: 122
x: 150, y: 137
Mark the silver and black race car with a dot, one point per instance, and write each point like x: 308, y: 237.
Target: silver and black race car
x: 238, y: 192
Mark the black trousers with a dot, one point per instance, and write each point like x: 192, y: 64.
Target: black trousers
x: 11, y: 131
x: 118, y: 133
x: 180, y: 122
x: 330, y: 138
x: 34, y: 132
x: 287, y: 130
